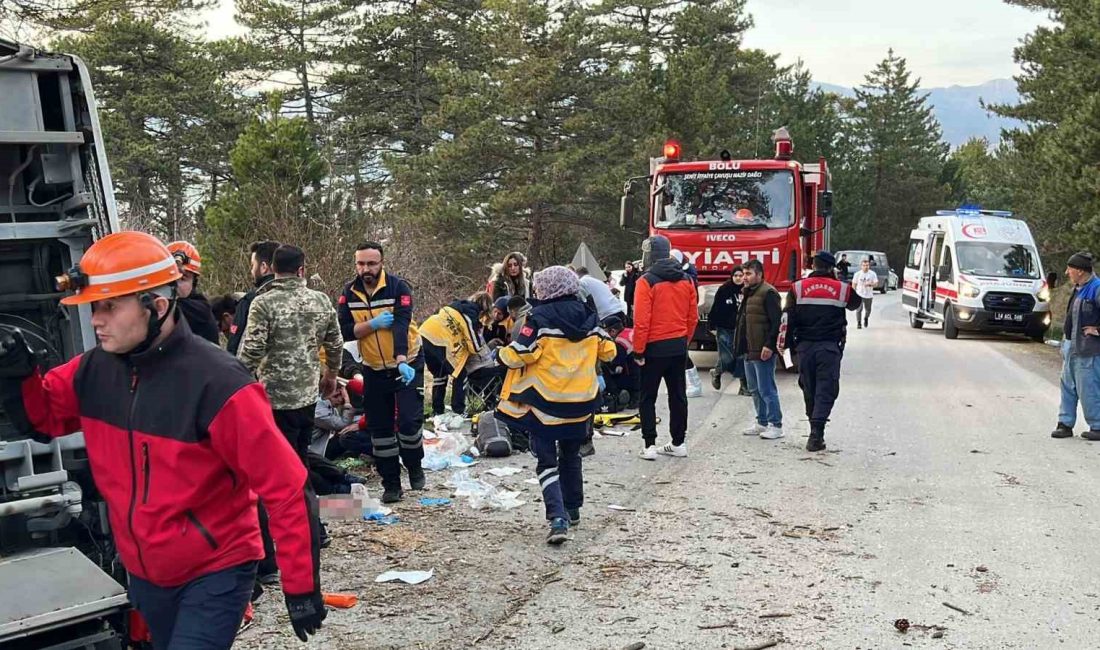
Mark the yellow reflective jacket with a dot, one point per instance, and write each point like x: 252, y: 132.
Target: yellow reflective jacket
x: 457, y: 328
x: 551, y: 384
x: 380, y: 348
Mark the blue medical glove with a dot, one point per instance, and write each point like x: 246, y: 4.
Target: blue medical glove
x: 601, y: 382
x: 383, y: 321
x: 406, y: 371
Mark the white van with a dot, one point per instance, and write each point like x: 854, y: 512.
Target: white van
x: 975, y: 270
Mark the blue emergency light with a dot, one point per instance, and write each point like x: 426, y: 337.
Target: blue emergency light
x: 973, y: 211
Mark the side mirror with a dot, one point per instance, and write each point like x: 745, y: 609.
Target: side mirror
x: 944, y: 274
x: 1052, y: 280
x: 826, y: 204
x: 626, y: 211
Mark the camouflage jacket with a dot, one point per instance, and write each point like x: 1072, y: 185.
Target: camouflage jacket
x: 288, y: 325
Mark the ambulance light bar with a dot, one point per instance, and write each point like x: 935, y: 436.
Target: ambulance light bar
x: 973, y: 211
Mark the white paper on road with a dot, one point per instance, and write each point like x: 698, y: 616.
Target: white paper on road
x: 504, y: 471
x: 408, y: 577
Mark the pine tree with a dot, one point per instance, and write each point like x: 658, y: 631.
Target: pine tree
x: 898, y: 162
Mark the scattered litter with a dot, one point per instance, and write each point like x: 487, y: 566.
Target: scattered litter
x: 620, y: 508
x: 902, y: 625
x: 532, y: 481
x: 981, y: 568
x: 340, y: 601
x: 637, y: 645
x: 501, y: 472
x: 408, y: 577
x: 766, y: 644
x: 383, y: 517
x: 349, y: 507
x: 481, y: 494
x: 449, y: 449
x: 434, y: 501
x: 956, y: 608
x: 615, y: 433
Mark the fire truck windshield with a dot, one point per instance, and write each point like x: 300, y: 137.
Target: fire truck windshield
x: 725, y: 199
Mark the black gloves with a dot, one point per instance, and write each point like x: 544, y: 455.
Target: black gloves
x: 17, y: 360
x: 306, y: 614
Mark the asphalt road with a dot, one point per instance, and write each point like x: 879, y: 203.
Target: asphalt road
x: 941, y: 491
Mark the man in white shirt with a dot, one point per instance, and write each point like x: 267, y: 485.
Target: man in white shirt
x: 607, y: 305
x: 864, y: 282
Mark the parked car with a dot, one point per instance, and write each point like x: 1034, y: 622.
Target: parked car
x: 892, y: 283
x: 879, y: 265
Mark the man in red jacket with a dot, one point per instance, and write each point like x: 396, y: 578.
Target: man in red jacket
x: 181, y: 441
x: 666, y: 310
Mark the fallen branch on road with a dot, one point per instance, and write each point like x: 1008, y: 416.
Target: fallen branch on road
x: 759, y: 646
x: 956, y: 608
x: 777, y: 615
x: 716, y: 626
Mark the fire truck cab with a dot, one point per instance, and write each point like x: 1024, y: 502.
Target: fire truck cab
x: 723, y: 213
x: 976, y: 270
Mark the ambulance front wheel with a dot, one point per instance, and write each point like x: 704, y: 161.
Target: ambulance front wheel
x: 915, y: 322
x: 950, y: 330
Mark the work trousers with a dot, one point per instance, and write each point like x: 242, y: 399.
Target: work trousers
x: 558, y: 466
x: 819, y: 378
x: 1080, y: 382
x: 297, y: 426
x: 203, y: 614
x: 435, y: 357
x: 671, y: 370
x: 386, y: 399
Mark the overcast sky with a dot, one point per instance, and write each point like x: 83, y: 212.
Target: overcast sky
x: 947, y: 42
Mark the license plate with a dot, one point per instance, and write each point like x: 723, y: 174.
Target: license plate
x: 1015, y: 318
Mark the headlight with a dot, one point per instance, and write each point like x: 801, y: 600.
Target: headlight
x: 1044, y: 293
x: 967, y: 290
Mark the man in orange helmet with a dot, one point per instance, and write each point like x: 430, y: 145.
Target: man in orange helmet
x: 194, y: 306
x: 172, y: 426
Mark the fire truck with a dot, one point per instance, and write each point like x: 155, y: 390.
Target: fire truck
x: 724, y: 212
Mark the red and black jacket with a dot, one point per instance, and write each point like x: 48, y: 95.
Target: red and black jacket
x: 181, y: 440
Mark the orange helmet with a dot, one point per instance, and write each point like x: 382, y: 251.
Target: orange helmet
x: 119, y: 264
x: 187, y: 256
x: 743, y: 213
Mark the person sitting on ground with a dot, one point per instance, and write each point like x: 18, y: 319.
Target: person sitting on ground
x: 224, y: 308
x: 622, y: 374
x: 333, y: 416
x: 195, y: 307
x: 551, y: 390
x: 450, y: 338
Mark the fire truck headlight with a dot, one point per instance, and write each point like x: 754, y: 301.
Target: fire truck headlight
x: 967, y: 290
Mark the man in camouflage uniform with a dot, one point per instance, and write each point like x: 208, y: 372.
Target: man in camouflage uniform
x: 288, y: 323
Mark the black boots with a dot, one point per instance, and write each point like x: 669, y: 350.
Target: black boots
x: 416, y: 478
x: 817, y: 438
x: 1062, y: 431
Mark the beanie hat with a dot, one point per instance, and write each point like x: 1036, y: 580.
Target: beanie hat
x: 501, y: 303
x: 555, y: 282
x: 826, y: 257
x: 1081, y: 260
x: 658, y: 247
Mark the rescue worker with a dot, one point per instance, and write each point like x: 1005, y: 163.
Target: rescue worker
x: 260, y: 254
x: 376, y: 309
x: 194, y: 306
x: 551, y: 388
x: 665, y: 315
x: 816, y: 330
x: 172, y: 427
x: 450, y: 338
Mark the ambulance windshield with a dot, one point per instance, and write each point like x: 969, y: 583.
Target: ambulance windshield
x: 722, y: 200
x: 998, y: 260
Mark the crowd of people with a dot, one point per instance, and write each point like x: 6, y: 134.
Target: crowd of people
x: 182, y: 391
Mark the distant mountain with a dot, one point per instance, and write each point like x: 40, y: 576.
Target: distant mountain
x: 959, y: 109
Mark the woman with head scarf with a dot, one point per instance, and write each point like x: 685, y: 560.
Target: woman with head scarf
x: 551, y: 390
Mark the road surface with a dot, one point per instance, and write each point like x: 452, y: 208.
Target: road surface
x: 941, y: 500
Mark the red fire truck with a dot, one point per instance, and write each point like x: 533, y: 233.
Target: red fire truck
x: 724, y: 212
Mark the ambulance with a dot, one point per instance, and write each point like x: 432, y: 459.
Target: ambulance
x: 976, y: 270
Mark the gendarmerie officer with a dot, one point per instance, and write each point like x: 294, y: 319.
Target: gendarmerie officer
x: 816, y: 331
